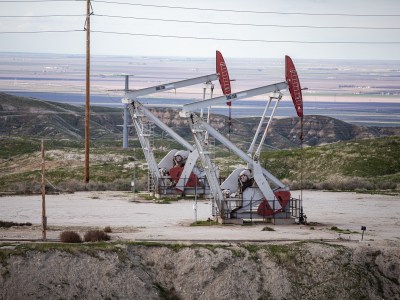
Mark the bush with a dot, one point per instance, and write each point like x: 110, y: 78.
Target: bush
x: 25, y: 187
x: 296, y: 185
x: 72, y: 185
x: 8, y: 224
x: 266, y: 228
x: 337, y: 182
x: 70, y: 237
x: 107, y: 229
x: 96, y: 236
x: 386, y: 185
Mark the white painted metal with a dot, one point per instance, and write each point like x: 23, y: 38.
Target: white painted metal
x: 197, y: 127
x: 187, y: 169
x: 125, y: 140
x: 231, y: 183
x: 170, y: 86
x: 168, y: 161
x: 209, y: 113
x: 236, y: 150
x: 188, y: 108
x: 164, y: 127
x: 258, y: 151
x: 138, y: 111
x: 223, y: 140
x: 252, y: 199
x: 145, y: 143
x: 253, y: 143
x: 264, y: 186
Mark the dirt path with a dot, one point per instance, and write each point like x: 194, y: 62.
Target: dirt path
x: 151, y: 221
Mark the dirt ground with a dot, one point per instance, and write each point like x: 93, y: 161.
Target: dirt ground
x: 146, y: 220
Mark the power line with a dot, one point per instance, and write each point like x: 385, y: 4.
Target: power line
x: 206, y: 38
x: 246, y: 40
x: 211, y: 9
x: 28, y: 1
x: 207, y: 22
x: 248, y: 24
x: 43, y: 16
x: 40, y: 31
x: 247, y: 11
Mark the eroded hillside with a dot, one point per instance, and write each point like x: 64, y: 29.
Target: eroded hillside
x: 241, y: 271
x: 36, y: 118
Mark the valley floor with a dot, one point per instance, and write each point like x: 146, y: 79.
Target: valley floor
x: 136, y: 219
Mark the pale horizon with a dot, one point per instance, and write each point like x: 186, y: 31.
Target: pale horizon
x: 306, y: 29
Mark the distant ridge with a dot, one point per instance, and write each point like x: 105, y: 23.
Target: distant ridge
x: 20, y: 116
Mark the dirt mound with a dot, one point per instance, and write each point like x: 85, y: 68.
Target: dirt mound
x: 172, y: 271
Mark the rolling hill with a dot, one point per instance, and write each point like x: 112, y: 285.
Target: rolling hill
x: 336, y: 155
x: 36, y: 118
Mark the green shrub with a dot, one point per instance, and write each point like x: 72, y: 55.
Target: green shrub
x: 208, y: 222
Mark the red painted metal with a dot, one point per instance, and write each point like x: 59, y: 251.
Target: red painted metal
x: 294, y: 85
x: 176, y: 172
x: 265, y: 210
x: 224, y: 80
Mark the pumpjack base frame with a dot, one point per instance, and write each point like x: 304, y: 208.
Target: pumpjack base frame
x: 273, y: 221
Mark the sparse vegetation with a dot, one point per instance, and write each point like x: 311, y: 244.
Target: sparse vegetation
x: 267, y: 228
x: 167, y: 294
x: 166, y: 200
x: 7, y: 224
x: 362, y: 165
x: 107, y: 229
x: 344, y: 231
x: 367, y: 165
x: 208, y: 222
x: 70, y: 237
x: 315, y: 269
x: 96, y: 236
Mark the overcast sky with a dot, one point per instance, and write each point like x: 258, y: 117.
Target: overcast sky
x: 116, y: 44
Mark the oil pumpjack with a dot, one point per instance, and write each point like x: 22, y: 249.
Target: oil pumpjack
x: 251, y: 192
x: 247, y: 193
x: 177, y: 172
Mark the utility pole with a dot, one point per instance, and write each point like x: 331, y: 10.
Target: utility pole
x: 125, y: 142
x: 87, y: 109
x: 44, y: 218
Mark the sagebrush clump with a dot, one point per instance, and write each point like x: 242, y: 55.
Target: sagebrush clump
x: 96, y: 236
x: 70, y: 237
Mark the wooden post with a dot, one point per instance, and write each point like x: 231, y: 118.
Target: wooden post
x: 86, y: 179
x: 44, y: 218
